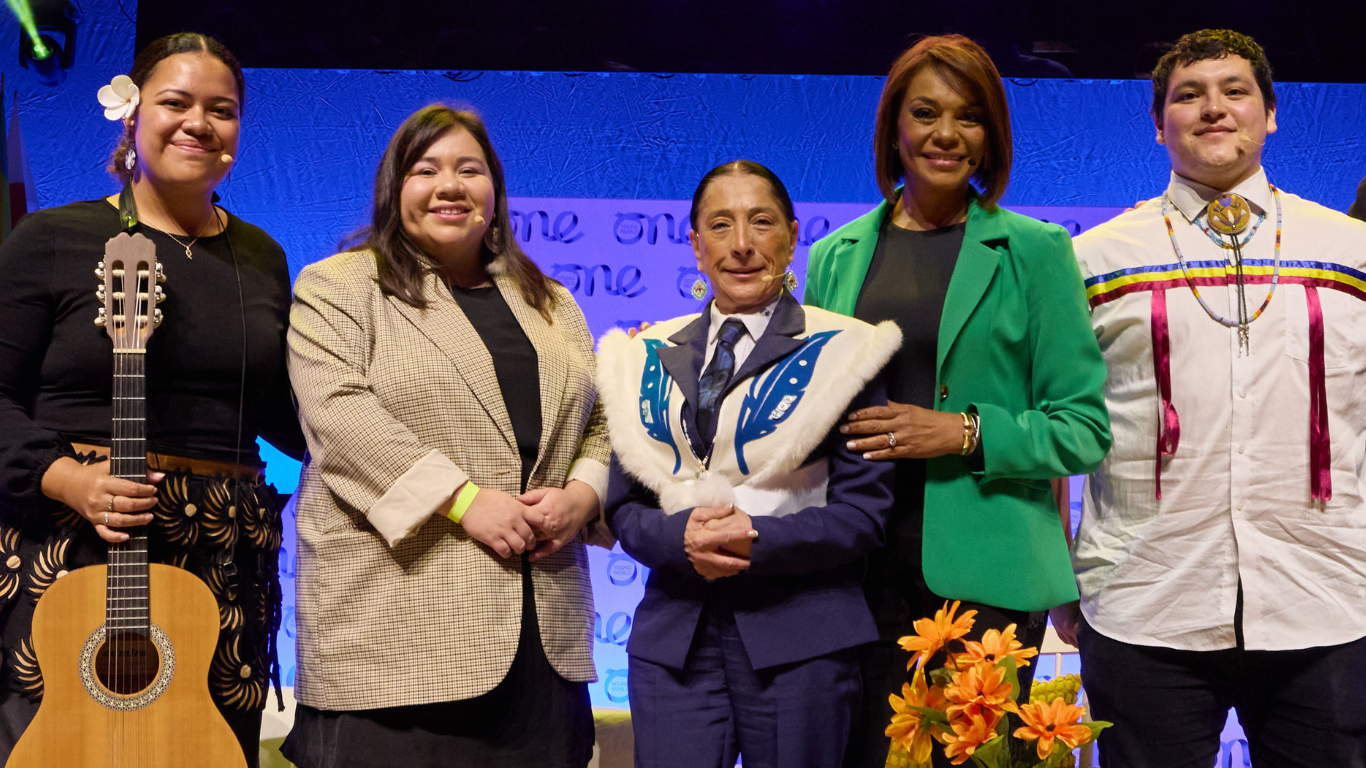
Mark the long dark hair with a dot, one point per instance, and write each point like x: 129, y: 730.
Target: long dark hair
x: 401, y: 264
x: 146, y: 63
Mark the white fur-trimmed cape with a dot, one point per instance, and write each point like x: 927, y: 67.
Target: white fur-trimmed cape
x: 842, y: 371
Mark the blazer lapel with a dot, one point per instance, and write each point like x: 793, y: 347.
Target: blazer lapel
x: 683, y: 361
x: 851, y: 258
x: 447, y: 328
x: 977, y: 265
x: 549, y: 362
x: 777, y: 342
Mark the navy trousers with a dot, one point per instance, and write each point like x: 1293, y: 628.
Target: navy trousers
x: 790, y: 716
x: 1300, y: 709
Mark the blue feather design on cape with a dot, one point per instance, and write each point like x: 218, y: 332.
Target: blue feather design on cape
x: 769, y: 402
x: 655, y: 384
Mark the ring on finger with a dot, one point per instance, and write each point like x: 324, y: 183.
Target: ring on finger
x: 109, y: 510
x: 106, y: 519
x: 891, y: 440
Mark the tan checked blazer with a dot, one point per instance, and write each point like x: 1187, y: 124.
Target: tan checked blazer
x: 435, y: 617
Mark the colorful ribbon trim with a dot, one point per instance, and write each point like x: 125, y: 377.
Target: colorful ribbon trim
x: 1313, y: 275
x: 1320, y: 450
x: 1102, y: 289
x: 1169, y: 431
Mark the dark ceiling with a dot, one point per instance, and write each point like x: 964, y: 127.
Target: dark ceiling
x: 1306, y: 40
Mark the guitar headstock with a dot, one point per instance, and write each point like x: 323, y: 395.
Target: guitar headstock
x: 129, y: 291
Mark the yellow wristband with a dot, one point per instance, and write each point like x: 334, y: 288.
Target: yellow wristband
x: 463, y: 499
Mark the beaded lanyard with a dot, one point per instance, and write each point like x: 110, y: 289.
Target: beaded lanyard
x: 1243, y: 321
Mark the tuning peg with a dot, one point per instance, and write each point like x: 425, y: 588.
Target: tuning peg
x: 160, y: 294
x: 99, y: 270
x: 100, y: 318
x: 161, y: 273
x: 99, y: 294
x: 156, y: 318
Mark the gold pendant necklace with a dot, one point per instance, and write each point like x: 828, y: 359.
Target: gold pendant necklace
x: 186, y: 246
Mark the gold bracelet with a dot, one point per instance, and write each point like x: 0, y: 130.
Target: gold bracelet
x: 967, y: 434
x: 976, y: 432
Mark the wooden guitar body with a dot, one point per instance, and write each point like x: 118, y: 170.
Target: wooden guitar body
x: 170, y: 723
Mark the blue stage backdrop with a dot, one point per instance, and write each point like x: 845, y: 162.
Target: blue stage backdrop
x: 601, y: 167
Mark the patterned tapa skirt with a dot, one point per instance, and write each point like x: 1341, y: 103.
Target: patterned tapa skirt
x: 225, y: 530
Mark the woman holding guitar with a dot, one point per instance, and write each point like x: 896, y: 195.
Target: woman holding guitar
x: 215, y: 380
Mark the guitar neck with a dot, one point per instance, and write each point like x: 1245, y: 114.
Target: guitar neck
x: 126, y: 603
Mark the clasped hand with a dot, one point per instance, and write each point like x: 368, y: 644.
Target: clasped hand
x: 540, y: 521
x: 718, y: 541
x: 920, y: 432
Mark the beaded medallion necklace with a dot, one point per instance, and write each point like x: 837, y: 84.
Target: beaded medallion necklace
x: 1229, y: 215
x: 1219, y: 240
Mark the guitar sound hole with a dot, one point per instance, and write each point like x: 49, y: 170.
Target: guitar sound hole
x: 127, y: 662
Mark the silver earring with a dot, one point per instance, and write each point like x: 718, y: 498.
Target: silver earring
x: 130, y: 159
x: 699, y: 288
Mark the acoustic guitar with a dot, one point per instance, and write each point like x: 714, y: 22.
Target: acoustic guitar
x: 125, y: 648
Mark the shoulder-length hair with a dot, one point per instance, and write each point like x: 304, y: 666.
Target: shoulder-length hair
x: 401, y: 264
x: 969, y: 71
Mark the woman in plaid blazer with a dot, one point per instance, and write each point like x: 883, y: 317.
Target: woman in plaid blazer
x: 456, y: 452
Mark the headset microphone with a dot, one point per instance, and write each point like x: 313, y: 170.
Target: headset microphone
x: 225, y: 158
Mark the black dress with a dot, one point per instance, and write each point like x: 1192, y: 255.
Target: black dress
x: 907, y: 281
x: 55, y: 389
x: 534, y: 717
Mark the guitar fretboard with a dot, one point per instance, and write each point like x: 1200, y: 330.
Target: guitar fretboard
x: 126, y: 599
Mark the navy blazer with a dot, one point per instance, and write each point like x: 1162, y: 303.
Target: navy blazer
x: 802, y: 595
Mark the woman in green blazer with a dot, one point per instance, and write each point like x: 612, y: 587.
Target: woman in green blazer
x: 999, y: 386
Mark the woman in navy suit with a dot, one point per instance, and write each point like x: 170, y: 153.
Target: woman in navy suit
x: 732, y: 483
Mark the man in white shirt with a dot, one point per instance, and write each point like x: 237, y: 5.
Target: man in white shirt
x: 1222, y: 549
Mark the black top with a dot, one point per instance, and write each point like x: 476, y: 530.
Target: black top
x: 56, y: 364
x: 906, y: 283
x: 514, y: 362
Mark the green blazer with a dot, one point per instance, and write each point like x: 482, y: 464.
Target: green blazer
x: 1016, y: 345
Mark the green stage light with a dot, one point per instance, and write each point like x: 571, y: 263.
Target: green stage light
x: 24, y: 13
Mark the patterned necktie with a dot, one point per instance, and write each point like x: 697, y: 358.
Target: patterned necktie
x: 716, y: 377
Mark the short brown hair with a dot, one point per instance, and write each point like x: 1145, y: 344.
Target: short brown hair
x: 401, y: 264
x: 969, y: 71
x: 1211, y: 44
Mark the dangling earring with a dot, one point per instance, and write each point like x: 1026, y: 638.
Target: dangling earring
x: 130, y: 159
x: 790, y: 281
x: 699, y: 288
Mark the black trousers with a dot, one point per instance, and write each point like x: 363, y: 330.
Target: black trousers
x: 1303, y: 708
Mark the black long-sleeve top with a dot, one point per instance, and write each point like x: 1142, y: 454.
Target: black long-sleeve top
x: 56, y: 364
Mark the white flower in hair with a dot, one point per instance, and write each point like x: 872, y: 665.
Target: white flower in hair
x: 119, y: 98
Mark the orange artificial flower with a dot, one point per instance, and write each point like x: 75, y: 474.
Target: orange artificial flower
x: 996, y: 645
x: 932, y: 635
x: 969, y: 733
x: 1050, y: 722
x: 980, y: 688
x: 909, y: 728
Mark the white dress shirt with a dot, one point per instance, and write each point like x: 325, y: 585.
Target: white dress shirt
x: 755, y: 325
x: 1236, y: 495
